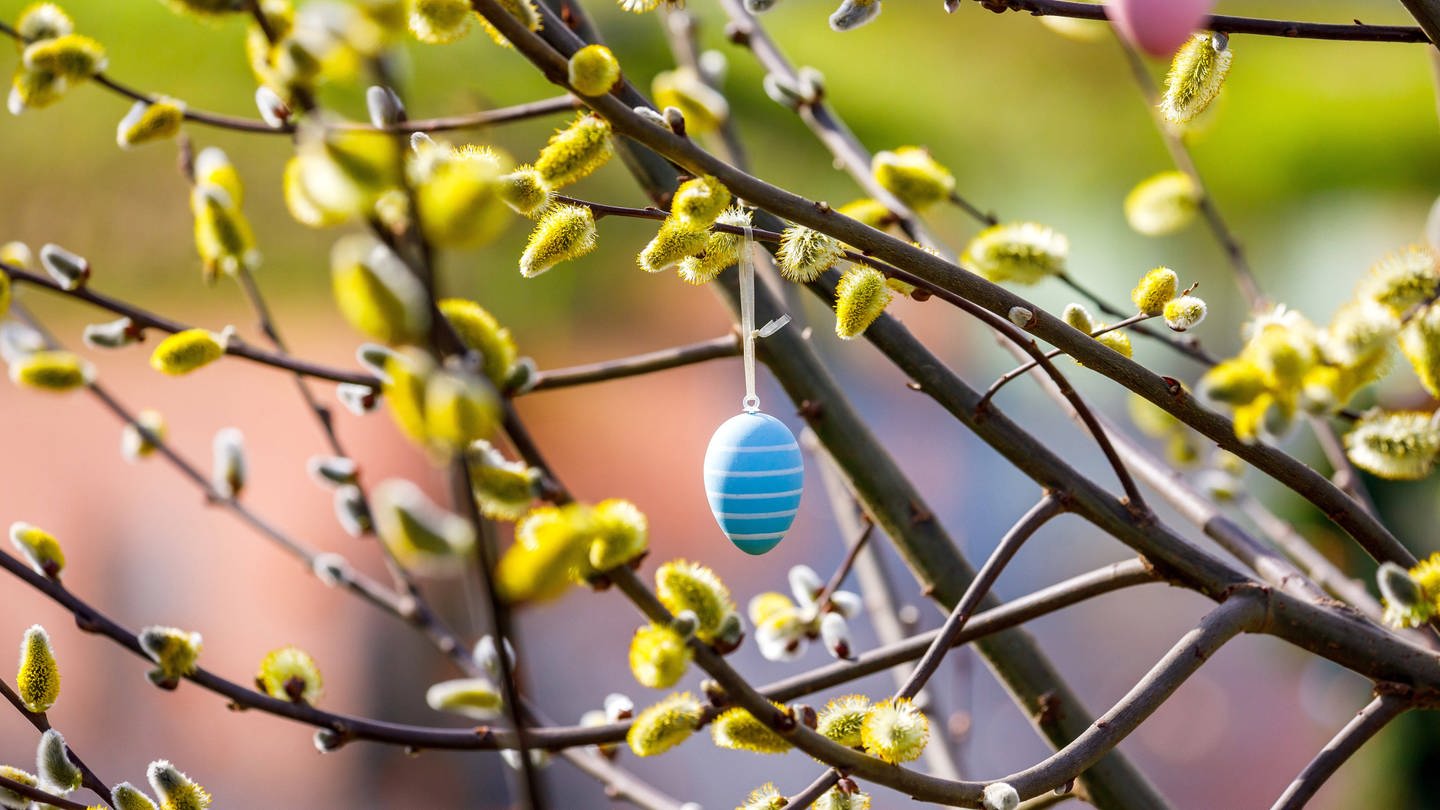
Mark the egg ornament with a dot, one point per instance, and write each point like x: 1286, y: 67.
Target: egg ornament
x: 754, y: 475
x: 1158, y: 27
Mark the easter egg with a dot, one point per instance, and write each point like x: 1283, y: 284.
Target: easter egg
x: 1158, y: 27
x: 753, y: 477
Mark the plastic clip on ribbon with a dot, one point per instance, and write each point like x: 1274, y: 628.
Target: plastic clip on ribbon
x: 754, y: 472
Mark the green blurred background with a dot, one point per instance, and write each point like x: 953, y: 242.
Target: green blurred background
x: 1322, y: 155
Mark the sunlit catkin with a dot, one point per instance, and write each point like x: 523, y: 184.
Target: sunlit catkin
x: 39, y: 547
x: 895, y: 731
x: 1023, y: 252
x: 437, y: 22
x: 376, y: 292
x: 664, y: 725
x: 1399, y: 446
x: 806, y: 253
x: 128, y: 797
x: 176, y: 790
x: 564, y: 233
x: 481, y: 332
x: 150, y: 121
x: 659, y: 656
x: 289, y: 673
x: 860, y: 298
x: 575, y: 152
x: 187, y: 351
x: 57, y: 771
x: 1196, y: 75
x: 593, y: 70
x: 739, y: 730
x: 676, y: 240
x: 52, y: 370
x: 912, y: 175
x: 1162, y: 204
x: 37, y: 681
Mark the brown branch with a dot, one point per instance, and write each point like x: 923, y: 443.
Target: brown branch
x: 1052, y: 354
x: 674, y: 357
x: 1348, y: 479
x: 41, y: 723
x: 144, y: 319
x: 822, y: 599
x: 481, y: 738
x: 1290, y: 29
x: 1050, y: 506
x: 474, y: 120
x: 40, y: 795
x: 1366, y: 724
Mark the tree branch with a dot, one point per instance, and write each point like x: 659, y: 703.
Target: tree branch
x: 41, y: 723
x: 1366, y: 724
x: 148, y: 320
x: 1049, y: 506
x: 675, y: 357
x: 1291, y: 29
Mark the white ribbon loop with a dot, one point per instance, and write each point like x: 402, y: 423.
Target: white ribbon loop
x: 748, y: 332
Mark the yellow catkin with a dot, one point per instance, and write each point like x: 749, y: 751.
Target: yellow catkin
x: 860, y: 298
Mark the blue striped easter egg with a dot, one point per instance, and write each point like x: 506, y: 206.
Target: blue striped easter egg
x: 753, y: 478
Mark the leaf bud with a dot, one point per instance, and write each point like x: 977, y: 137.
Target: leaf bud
x: 69, y: 270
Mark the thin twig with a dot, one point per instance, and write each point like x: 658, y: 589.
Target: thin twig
x: 1187, y: 345
x: 39, y: 795
x: 144, y: 319
x: 473, y: 120
x: 1052, y: 354
x: 482, y: 738
x: 822, y: 599
x: 267, y: 326
x: 1049, y: 506
x: 1366, y: 724
x: 1185, y: 162
x: 532, y: 790
x: 1290, y: 29
x: 1347, y: 478
x: 41, y: 723
x: 674, y: 357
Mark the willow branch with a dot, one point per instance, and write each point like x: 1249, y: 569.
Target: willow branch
x: 1050, y: 505
x: 148, y: 320
x: 1347, y: 478
x: 852, y: 553
x: 481, y: 738
x: 532, y: 790
x: 41, y: 723
x: 662, y: 360
x: 39, y: 795
x: 1242, y: 612
x: 267, y: 326
x: 1316, y: 566
x: 1020, y: 370
x: 1366, y: 724
x: 1290, y: 29
x: 473, y: 120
